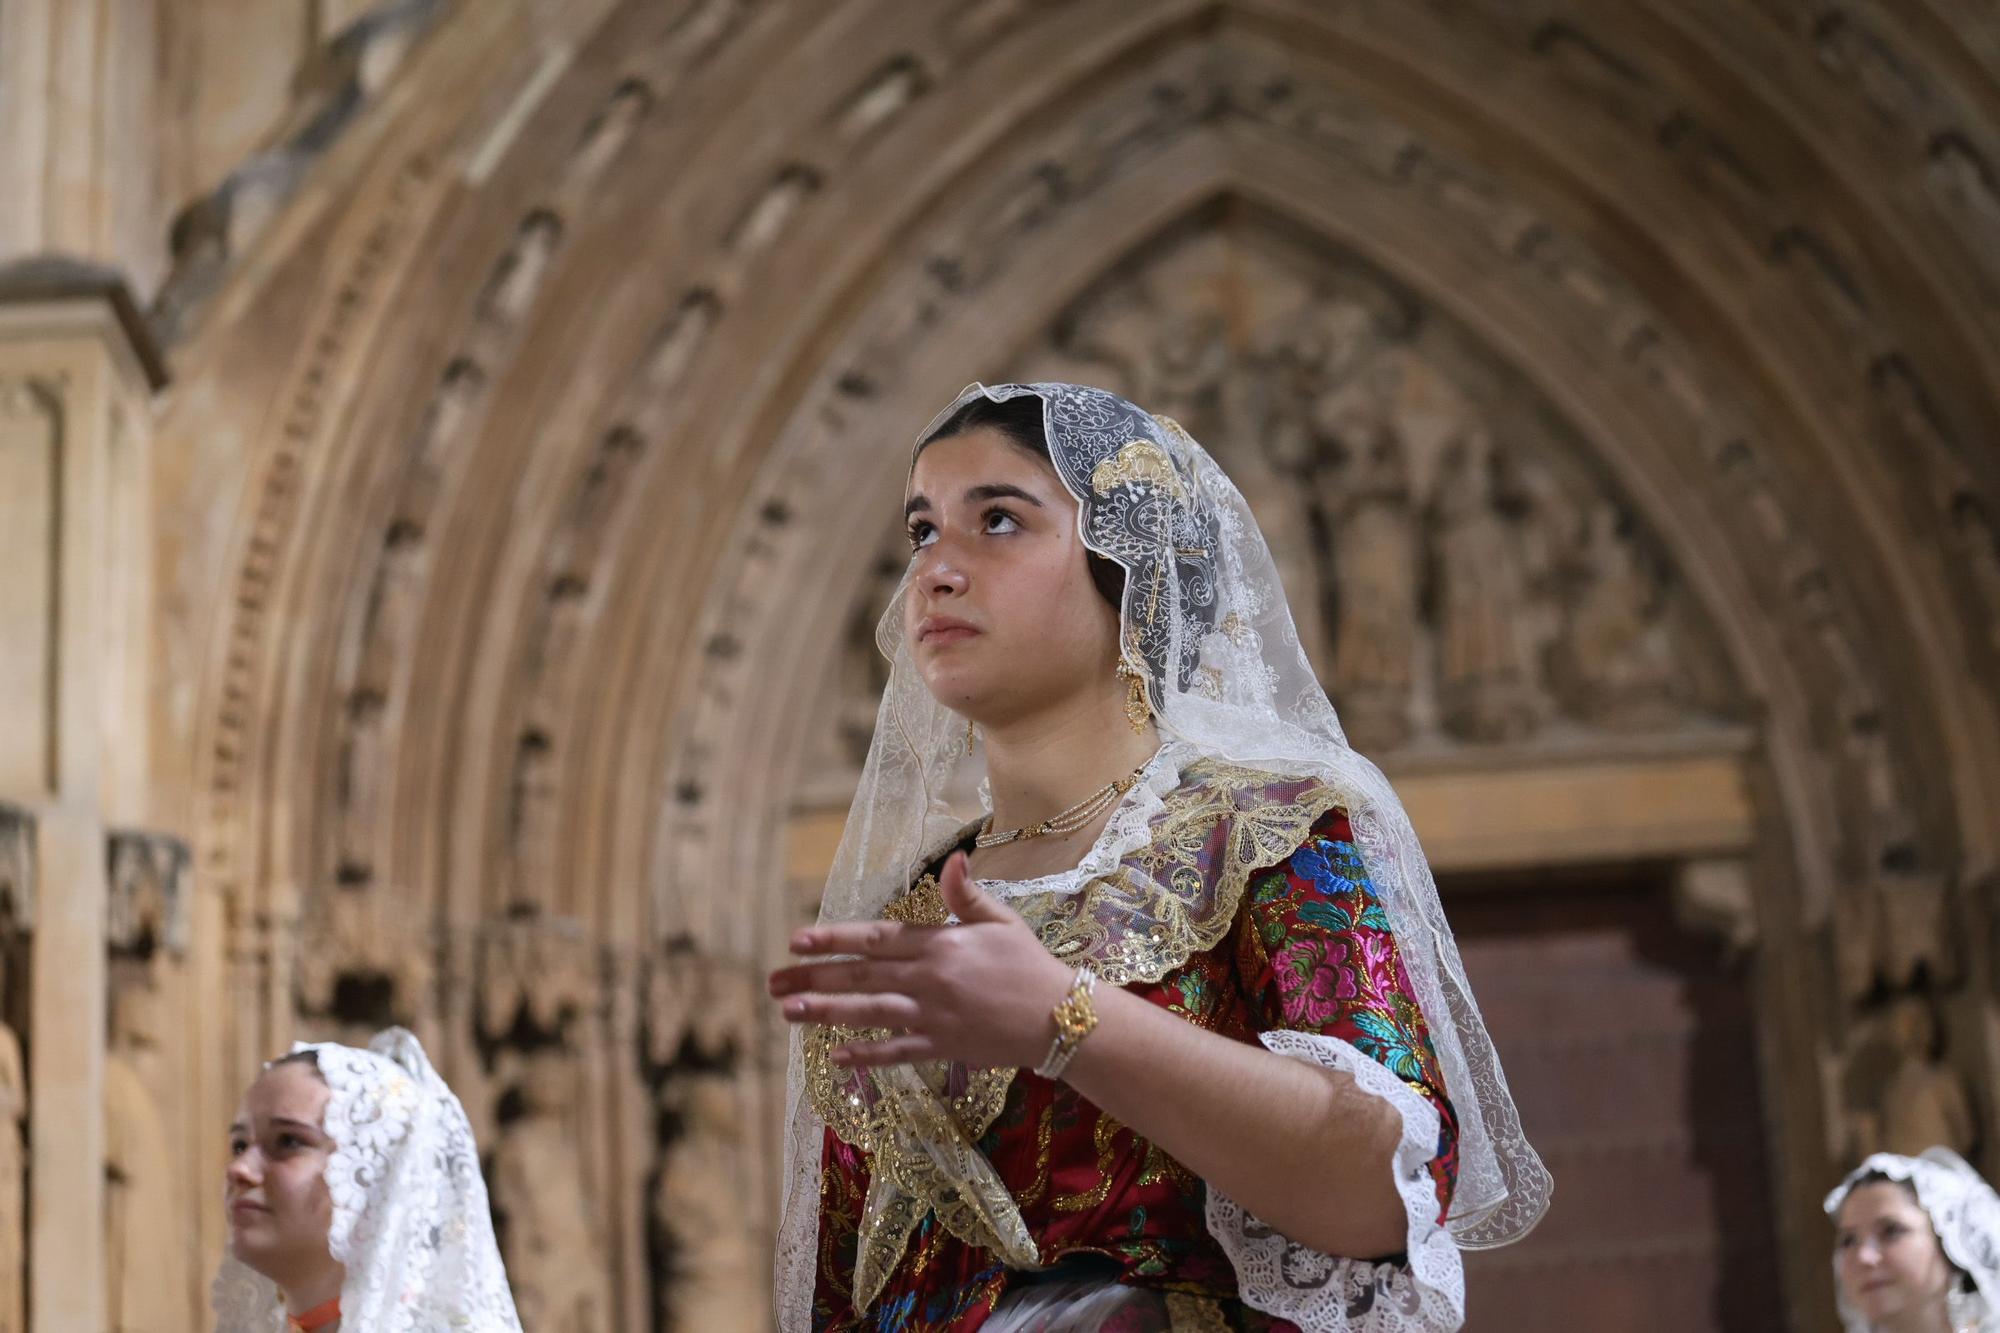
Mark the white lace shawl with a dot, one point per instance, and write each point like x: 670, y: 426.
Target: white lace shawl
x: 410, y: 1216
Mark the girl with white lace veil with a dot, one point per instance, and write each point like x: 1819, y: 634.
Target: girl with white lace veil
x: 1261, y: 1093
x: 1916, y: 1246
x: 355, y: 1201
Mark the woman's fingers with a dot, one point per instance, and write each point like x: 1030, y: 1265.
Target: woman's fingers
x: 859, y: 975
x: 853, y: 1011
x: 871, y: 939
x: 891, y: 1051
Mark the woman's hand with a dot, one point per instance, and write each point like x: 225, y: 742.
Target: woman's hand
x: 979, y: 992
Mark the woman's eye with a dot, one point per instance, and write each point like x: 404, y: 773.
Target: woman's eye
x: 921, y: 535
x: 237, y: 1147
x: 290, y: 1141
x: 997, y: 517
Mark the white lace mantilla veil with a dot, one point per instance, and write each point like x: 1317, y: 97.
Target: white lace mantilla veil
x: 410, y: 1216
x: 1965, y: 1214
x: 1206, y: 620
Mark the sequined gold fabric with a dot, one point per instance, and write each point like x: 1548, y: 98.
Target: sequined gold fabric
x: 1165, y: 902
x: 1194, y: 1314
x: 1138, y: 462
x: 922, y: 905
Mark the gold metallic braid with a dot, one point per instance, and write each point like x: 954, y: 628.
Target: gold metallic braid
x: 1103, y: 1137
x: 1194, y: 1314
x: 920, y: 1125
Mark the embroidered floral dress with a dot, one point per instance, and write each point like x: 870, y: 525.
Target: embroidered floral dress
x: 1306, y: 964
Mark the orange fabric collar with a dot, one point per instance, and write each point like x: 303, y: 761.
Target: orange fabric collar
x: 317, y: 1317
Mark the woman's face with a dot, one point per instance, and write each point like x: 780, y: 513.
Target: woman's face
x: 1889, y: 1260
x: 275, y: 1188
x: 1001, y: 615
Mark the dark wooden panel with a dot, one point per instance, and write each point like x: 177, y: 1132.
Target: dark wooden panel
x: 1628, y: 1043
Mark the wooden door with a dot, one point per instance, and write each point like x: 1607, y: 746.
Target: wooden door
x: 1629, y: 1046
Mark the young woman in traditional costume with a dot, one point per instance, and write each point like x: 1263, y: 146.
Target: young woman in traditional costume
x: 1172, y: 1032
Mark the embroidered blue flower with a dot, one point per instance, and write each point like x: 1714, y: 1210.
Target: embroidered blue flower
x: 895, y: 1315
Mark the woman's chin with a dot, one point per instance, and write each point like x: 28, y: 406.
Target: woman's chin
x: 961, y: 691
x: 1880, y: 1304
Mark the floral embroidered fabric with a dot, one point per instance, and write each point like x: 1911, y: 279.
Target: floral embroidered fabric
x: 1305, y: 962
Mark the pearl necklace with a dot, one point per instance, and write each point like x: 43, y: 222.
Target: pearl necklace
x: 1068, y: 821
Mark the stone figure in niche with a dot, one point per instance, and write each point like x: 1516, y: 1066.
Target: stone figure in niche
x: 1264, y: 450
x: 1925, y: 1102
x: 395, y: 602
x: 143, y: 1226
x: 1487, y: 685
x: 533, y: 824
x: 554, y: 1246
x: 1366, y: 503
x: 1188, y: 363
x: 1900, y: 1093
x: 518, y: 275
x: 1614, y: 664
x: 702, y: 1206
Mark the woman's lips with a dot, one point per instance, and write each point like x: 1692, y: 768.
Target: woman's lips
x: 943, y: 629
x: 246, y: 1208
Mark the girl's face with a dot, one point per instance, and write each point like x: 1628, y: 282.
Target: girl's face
x: 275, y: 1188
x: 1889, y: 1260
x: 1001, y: 615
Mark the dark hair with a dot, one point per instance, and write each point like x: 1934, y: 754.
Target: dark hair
x: 310, y: 1059
x: 1019, y: 419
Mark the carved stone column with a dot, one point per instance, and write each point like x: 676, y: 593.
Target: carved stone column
x: 75, y: 370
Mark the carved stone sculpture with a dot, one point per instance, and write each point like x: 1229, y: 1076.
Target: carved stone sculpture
x: 555, y: 1250
x: 142, y: 1227
x: 1486, y: 676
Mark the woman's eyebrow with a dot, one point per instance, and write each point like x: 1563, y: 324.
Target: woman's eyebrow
x: 992, y: 490
x: 1000, y: 490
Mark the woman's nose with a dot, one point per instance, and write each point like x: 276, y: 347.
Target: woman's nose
x: 940, y: 574
x: 243, y: 1171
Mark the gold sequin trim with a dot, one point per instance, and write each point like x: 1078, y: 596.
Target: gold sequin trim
x: 1194, y: 1314
x: 922, y: 905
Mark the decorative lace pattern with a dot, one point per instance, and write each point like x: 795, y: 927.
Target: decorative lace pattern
x: 1322, y: 1293
x: 1204, y: 619
x: 1965, y: 1213
x: 1172, y: 894
x: 410, y: 1215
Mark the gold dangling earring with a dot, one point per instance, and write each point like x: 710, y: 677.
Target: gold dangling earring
x: 968, y: 735
x: 1138, y: 709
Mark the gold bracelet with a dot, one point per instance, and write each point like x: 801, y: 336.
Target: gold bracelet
x: 1076, y: 1018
